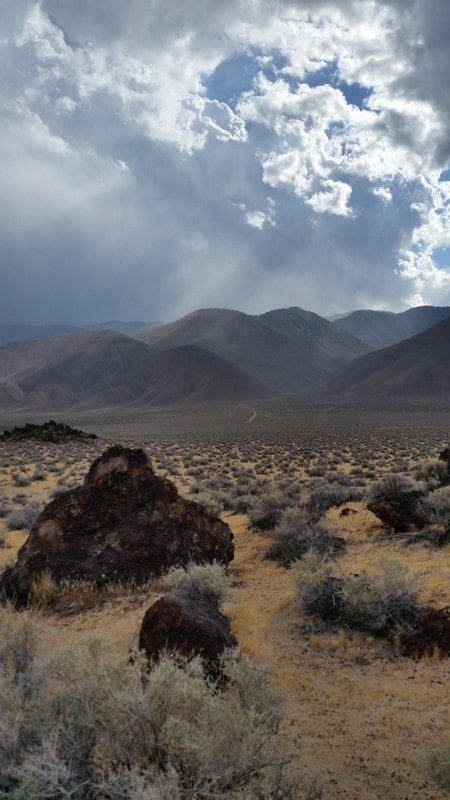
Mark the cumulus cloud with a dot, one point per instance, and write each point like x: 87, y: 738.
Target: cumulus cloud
x: 333, y: 199
x: 383, y: 193
x: 163, y: 156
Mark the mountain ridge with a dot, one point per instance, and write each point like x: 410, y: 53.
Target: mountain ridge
x: 287, y: 349
x: 384, y: 328
x: 417, y: 368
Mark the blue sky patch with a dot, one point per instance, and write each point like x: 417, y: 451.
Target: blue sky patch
x: 236, y: 75
x: 441, y: 257
x: 231, y: 78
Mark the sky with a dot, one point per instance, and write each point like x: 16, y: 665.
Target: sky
x: 159, y: 156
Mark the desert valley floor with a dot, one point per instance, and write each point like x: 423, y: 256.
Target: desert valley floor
x: 355, y: 712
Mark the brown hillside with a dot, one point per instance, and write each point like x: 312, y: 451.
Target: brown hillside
x: 418, y: 368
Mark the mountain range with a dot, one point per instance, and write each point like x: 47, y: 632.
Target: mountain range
x: 217, y: 355
x: 287, y: 350
x: 384, y: 328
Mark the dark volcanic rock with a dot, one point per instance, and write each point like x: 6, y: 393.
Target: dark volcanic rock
x: 185, y: 629
x: 400, y: 510
x: 124, y: 523
x: 54, y: 432
x: 434, y: 633
x: 445, y: 456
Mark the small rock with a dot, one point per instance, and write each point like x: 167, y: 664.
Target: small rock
x: 186, y: 629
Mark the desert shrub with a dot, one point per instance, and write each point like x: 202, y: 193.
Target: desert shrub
x: 39, y: 475
x: 199, y: 582
x: 85, y: 724
x: 242, y: 503
x: 319, y: 592
x: 437, y: 763
x: 296, y: 534
x: 23, y: 517
x: 392, y: 486
x: 434, y: 473
x: 267, y: 510
x: 378, y: 602
x: 435, y: 509
x: 209, y: 502
x: 21, y: 479
x: 437, y: 506
x: 328, y: 495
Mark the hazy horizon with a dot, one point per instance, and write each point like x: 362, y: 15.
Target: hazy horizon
x: 131, y: 320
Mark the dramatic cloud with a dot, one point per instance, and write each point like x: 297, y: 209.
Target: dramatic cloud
x: 161, y: 156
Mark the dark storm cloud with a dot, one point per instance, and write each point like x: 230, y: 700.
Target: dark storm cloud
x: 125, y: 191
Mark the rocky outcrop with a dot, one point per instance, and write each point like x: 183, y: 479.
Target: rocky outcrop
x: 397, y: 503
x: 186, y: 629
x: 53, y: 432
x: 124, y: 523
x: 401, y: 513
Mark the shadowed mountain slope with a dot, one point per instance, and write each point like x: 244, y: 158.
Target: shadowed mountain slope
x: 105, y: 369
x: 383, y: 328
x: 418, y: 368
x: 287, y: 349
x: 191, y: 374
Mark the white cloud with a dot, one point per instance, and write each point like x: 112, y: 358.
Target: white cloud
x: 383, y: 193
x: 333, y: 199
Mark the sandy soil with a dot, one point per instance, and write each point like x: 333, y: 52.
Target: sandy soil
x: 353, y: 711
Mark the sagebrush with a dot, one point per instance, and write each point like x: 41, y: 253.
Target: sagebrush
x: 86, y: 723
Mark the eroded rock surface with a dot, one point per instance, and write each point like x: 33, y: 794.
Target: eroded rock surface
x: 124, y: 523
x: 185, y: 629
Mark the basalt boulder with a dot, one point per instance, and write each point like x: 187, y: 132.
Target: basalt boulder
x: 49, y: 432
x: 398, y: 504
x: 432, y: 636
x: 445, y: 456
x: 186, y: 629
x: 124, y: 523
